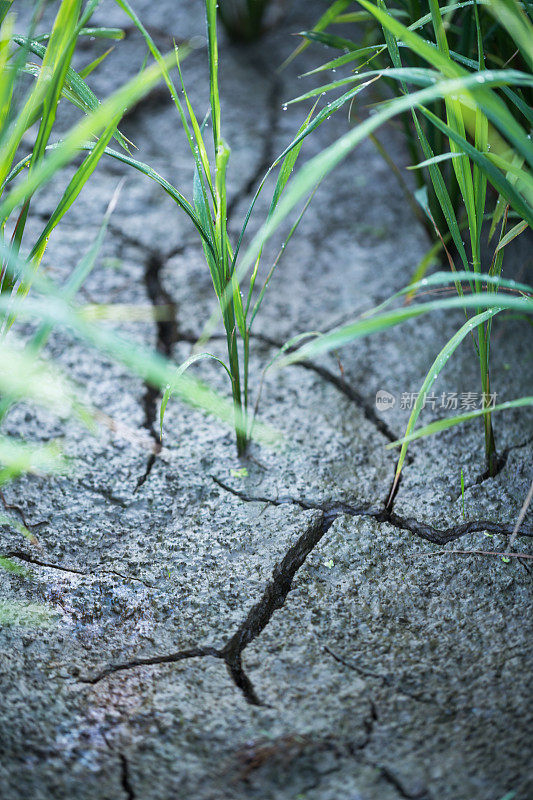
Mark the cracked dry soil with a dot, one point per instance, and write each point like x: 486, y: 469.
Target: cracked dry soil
x: 283, y: 635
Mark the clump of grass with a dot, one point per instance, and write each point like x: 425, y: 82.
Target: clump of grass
x: 238, y: 304
x: 473, y: 121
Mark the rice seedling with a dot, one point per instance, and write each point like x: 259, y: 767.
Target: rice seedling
x: 208, y: 210
x: 21, y: 180
x: 480, y: 123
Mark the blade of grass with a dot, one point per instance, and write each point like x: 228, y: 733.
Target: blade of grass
x: 432, y: 375
x: 450, y: 422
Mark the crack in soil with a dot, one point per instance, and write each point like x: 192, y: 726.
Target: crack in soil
x: 28, y: 559
x: 272, y: 599
x: 20, y: 512
x: 502, y: 463
x: 385, y: 679
x: 389, y: 776
x: 106, y: 493
x: 334, y: 508
x: 277, y: 589
x: 167, y: 336
x: 125, y: 779
x: 338, y: 381
x: 167, y: 330
x: 150, y: 661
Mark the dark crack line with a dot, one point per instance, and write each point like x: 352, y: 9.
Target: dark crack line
x: 385, y: 679
x: 352, y: 394
x: 152, y: 661
x: 132, y: 241
x: 125, y: 778
x: 104, y: 492
x: 167, y: 336
x: 272, y: 599
x: 146, y: 249
x: 272, y: 125
x: 333, y: 509
x: 501, y: 463
x: 437, y: 536
x: 125, y: 577
x: 341, y: 385
x: 167, y: 330
x: 39, y: 563
x: 74, y: 570
x: 388, y: 775
x: 277, y: 589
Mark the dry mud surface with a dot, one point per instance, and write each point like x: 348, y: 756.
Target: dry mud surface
x: 279, y: 635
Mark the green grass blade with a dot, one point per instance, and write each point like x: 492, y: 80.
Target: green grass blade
x: 318, y: 120
x: 511, y: 15
x: 328, y: 39
x: 214, y: 98
x: 76, y: 184
x: 77, y: 277
x: 144, y: 169
x: 326, y: 19
x: 90, y: 126
x: 163, y: 62
x: 497, y: 178
x: 5, y: 6
x: 56, y: 60
x: 103, y: 33
x: 490, y: 103
x: 364, y: 327
x: 512, y: 234
x: 142, y: 361
x: 444, y: 424
x: 432, y: 375
x: 434, y: 160
x: 86, y: 71
x: 322, y: 164
x: 169, y: 390
x: 75, y: 88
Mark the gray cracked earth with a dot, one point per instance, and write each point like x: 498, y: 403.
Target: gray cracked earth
x: 278, y: 635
